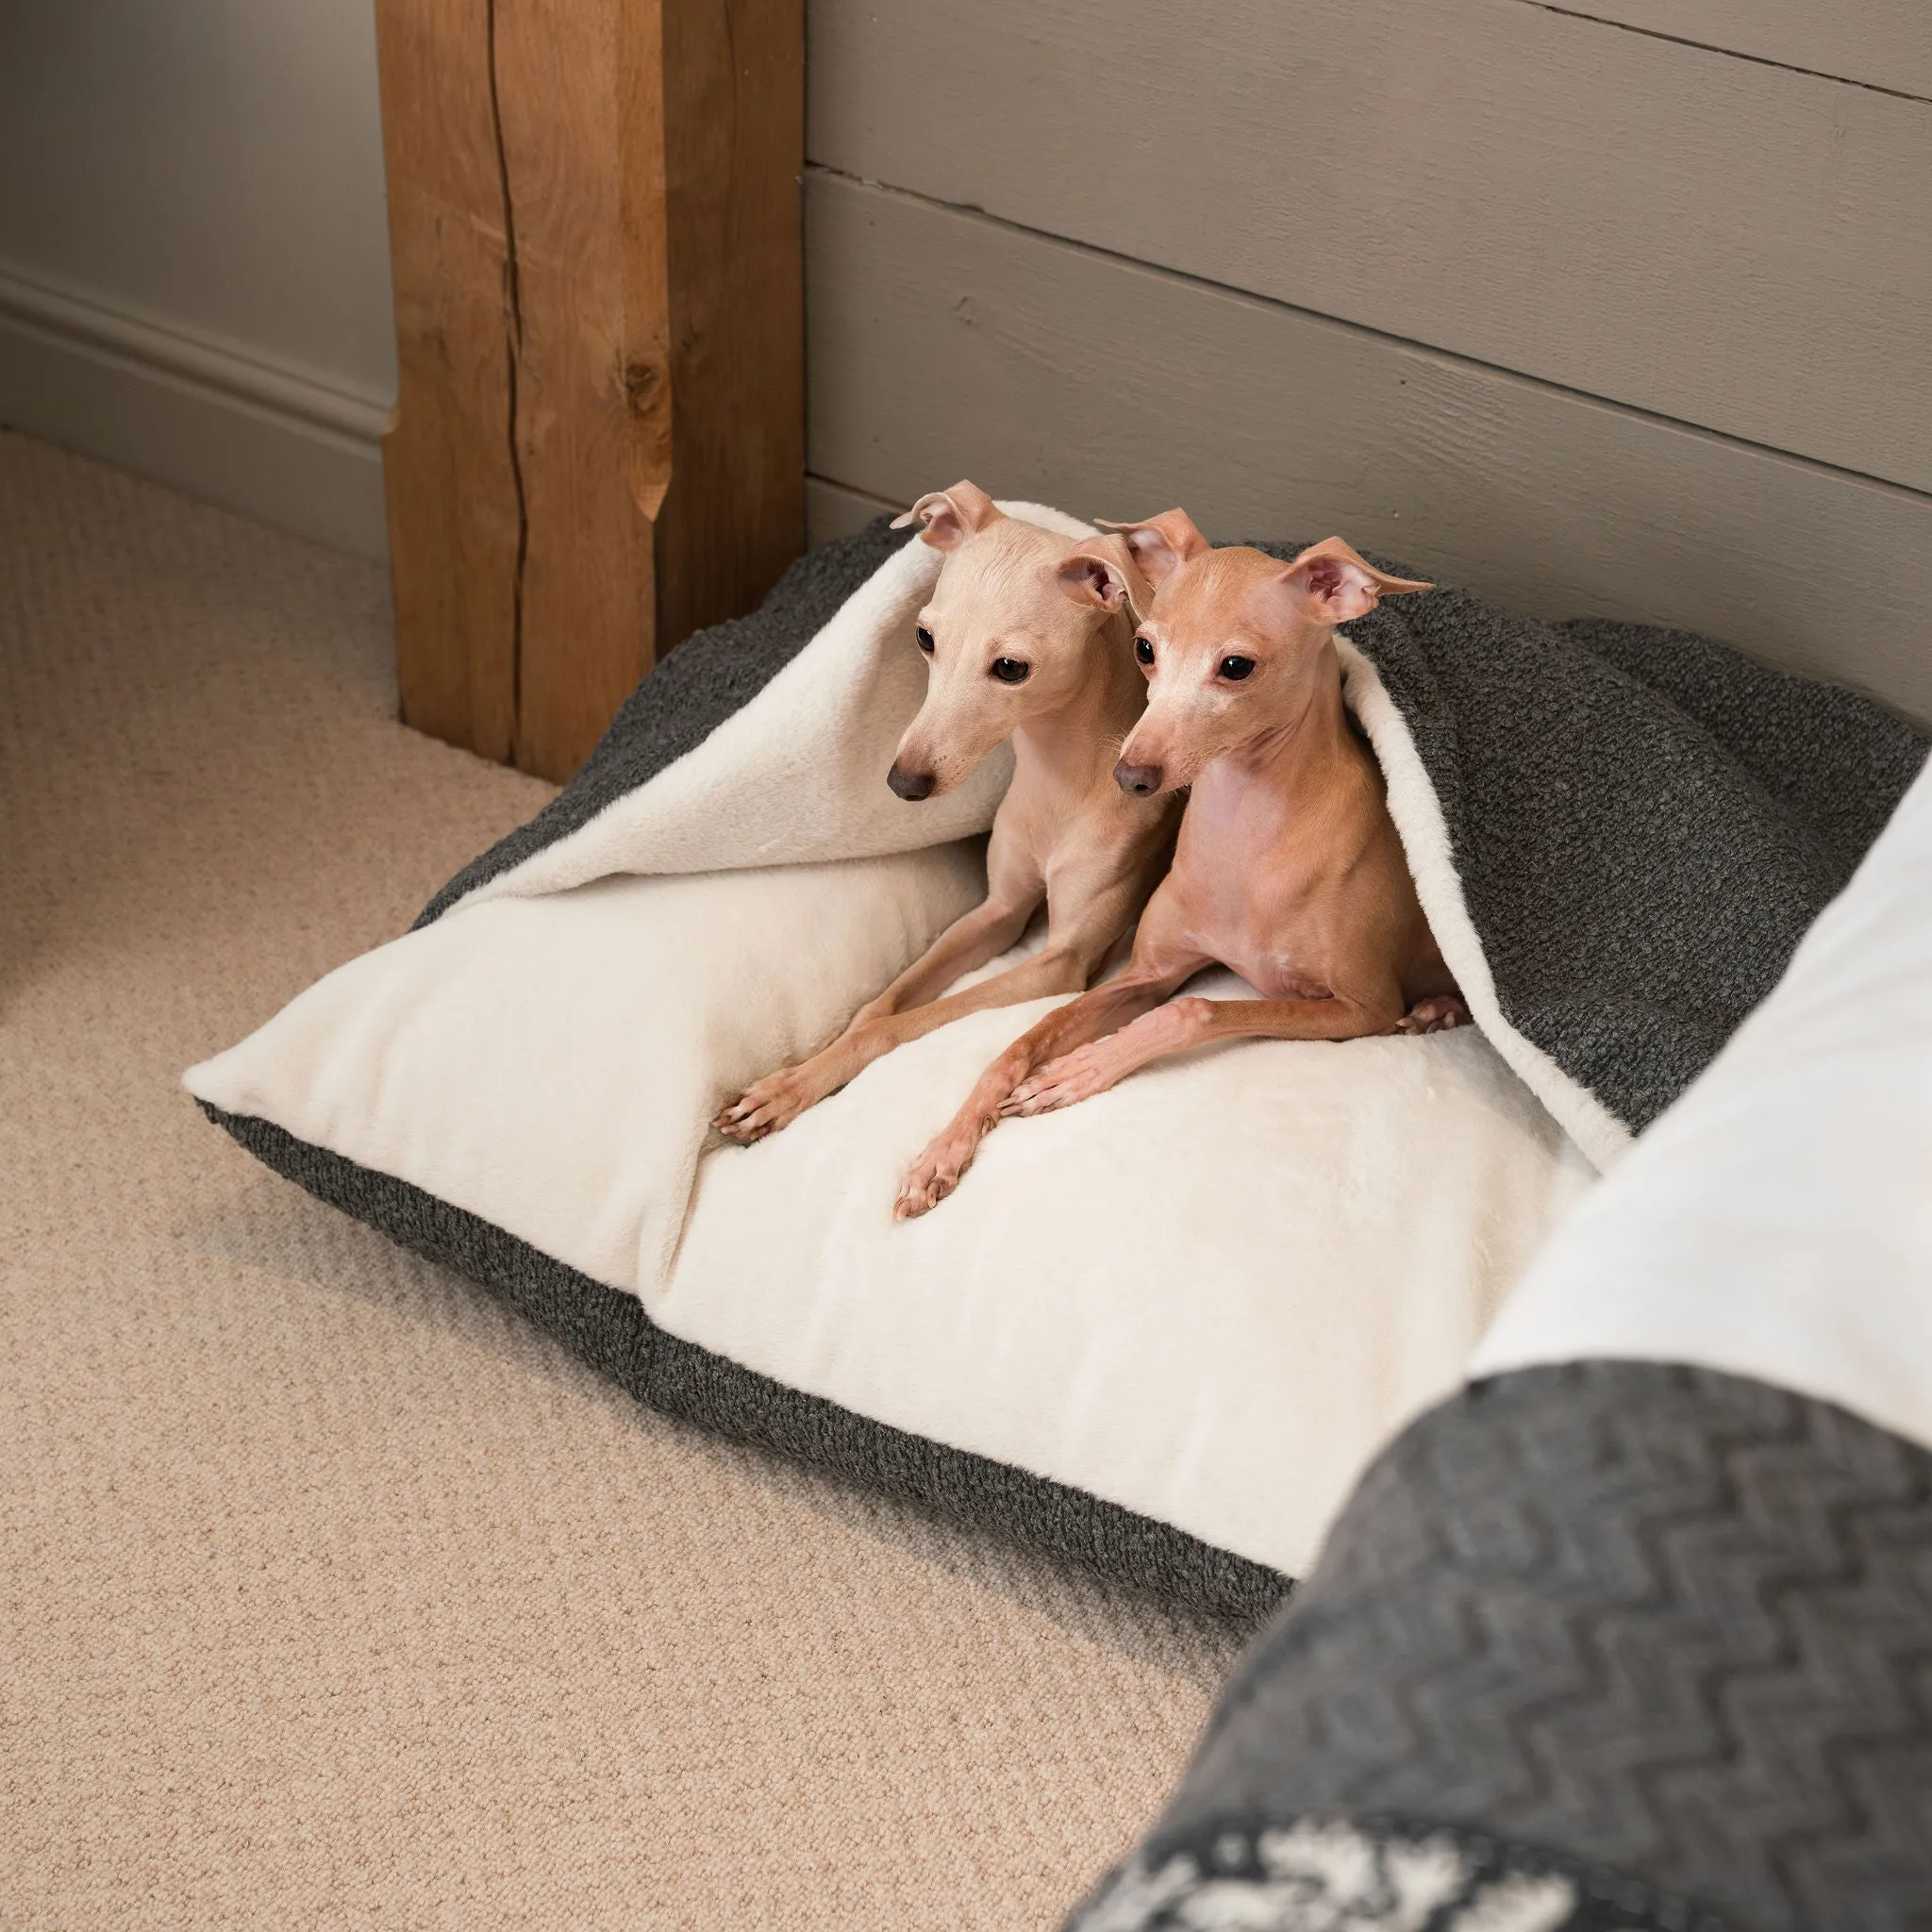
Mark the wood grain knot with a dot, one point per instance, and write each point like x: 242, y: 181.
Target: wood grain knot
x: 642, y: 383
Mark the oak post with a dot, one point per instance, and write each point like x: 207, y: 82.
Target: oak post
x: 598, y: 441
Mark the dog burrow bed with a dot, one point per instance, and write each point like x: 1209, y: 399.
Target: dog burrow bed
x: 1161, y: 1332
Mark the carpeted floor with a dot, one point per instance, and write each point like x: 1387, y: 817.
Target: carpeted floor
x: 330, y: 1595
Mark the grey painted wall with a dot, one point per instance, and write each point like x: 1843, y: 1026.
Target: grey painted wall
x: 947, y: 342
x: 193, y: 248
x: 1612, y: 307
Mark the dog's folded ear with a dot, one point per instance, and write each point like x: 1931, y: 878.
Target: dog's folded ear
x: 1338, y: 585
x: 951, y: 516
x: 1161, y: 544
x: 1103, y: 571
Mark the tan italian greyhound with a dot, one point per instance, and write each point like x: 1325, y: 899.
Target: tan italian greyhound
x: 1026, y: 636
x: 1288, y: 869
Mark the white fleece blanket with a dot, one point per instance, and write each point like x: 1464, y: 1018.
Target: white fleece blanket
x: 1777, y: 1223
x: 1210, y: 1295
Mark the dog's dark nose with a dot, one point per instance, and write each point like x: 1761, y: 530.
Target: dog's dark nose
x: 913, y: 785
x: 1141, y: 781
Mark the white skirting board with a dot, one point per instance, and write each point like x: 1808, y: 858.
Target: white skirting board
x: 287, y: 446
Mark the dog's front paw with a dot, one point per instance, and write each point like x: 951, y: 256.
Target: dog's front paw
x: 937, y: 1171
x: 770, y: 1103
x: 1437, y: 1014
x: 1073, y: 1078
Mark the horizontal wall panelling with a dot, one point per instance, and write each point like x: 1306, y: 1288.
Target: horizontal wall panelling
x: 945, y: 343
x: 1883, y: 44
x: 1711, y: 239
x: 835, y: 510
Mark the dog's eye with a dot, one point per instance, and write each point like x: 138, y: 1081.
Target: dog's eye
x: 1143, y: 650
x: 925, y: 637
x: 1234, y: 669
x: 1010, y: 670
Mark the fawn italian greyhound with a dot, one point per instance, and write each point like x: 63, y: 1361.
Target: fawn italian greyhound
x: 1288, y: 869
x: 1026, y: 636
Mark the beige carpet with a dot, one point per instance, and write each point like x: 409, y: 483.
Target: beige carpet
x: 330, y: 1594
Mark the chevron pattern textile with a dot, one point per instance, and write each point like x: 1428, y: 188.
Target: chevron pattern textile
x: 1611, y: 1644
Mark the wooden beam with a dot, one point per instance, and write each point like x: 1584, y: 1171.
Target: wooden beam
x: 598, y: 438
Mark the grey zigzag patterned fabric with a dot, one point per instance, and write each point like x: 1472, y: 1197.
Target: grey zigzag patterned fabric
x: 1378, y: 1874
x: 1664, y: 1626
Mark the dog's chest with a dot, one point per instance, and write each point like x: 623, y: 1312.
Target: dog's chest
x: 1265, y: 896
x: 1272, y: 922
x: 1278, y: 942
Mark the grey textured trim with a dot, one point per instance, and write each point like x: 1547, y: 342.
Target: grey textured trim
x: 611, y: 1332
x: 709, y: 677
x: 1667, y: 1622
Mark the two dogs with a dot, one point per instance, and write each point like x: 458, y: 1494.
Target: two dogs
x: 1286, y: 867
x: 1026, y: 636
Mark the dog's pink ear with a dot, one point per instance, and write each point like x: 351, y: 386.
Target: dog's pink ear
x: 951, y: 516
x: 1337, y: 586
x: 1161, y: 544
x: 1103, y: 571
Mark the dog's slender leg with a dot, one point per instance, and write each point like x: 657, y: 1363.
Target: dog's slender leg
x: 1181, y: 1025
x: 968, y: 943
x: 777, y: 1100
x: 937, y: 1171
x: 966, y: 946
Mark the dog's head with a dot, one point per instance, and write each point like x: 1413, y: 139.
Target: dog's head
x: 1230, y: 642
x: 1013, y: 630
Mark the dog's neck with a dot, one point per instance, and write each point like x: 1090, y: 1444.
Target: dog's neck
x: 1295, y: 754
x: 1298, y: 767
x: 1079, y: 744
